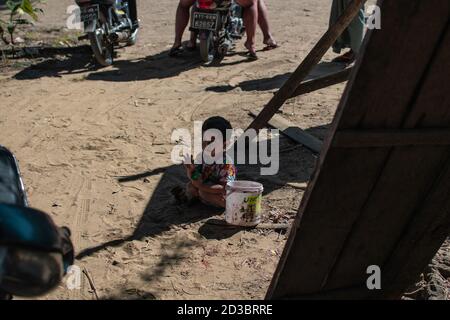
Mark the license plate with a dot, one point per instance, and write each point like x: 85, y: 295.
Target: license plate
x: 89, y: 14
x: 205, y: 21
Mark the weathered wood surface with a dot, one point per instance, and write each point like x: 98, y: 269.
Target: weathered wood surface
x: 267, y: 226
x: 323, y: 82
x: 295, y: 133
x: 386, y: 205
x: 391, y: 138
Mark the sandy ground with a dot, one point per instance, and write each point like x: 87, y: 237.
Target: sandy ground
x: 76, y: 130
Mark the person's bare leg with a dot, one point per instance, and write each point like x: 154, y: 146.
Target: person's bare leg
x: 250, y: 22
x: 217, y: 200
x: 193, y: 40
x: 182, y: 20
x: 263, y: 21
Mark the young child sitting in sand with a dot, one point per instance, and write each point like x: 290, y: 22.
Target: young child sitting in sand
x: 207, y: 181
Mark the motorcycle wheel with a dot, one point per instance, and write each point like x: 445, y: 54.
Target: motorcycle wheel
x: 222, y: 50
x: 207, y: 50
x: 102, y: 48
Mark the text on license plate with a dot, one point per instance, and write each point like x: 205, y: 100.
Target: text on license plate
x: 205, y: 21
x: 89, y: 14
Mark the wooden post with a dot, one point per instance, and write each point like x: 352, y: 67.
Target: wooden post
x: 311, y: 60
x: 322, y: 82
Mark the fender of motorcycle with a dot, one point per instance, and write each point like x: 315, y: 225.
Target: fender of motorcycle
x: 204, y: 34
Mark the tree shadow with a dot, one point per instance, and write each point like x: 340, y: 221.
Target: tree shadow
x: 162, y: 212
x: 275, y: 82
x: 173, y: 253
x: 131, y: 294
x: 216, y: 231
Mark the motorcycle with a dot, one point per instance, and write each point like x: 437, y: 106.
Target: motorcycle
x: 218, y: 24
x: 107, y: 23
x: 34, y: 253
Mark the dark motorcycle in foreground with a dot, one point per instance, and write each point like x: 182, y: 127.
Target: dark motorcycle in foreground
x: 34, y: 253
x: 108, y: 24
x: 218, y: 24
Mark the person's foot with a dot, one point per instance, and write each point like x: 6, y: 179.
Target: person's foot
x: 347, y: 58
x: 251, y: 51
x: 270, y: 44
x: 176, y: 50
x: 191, y: 45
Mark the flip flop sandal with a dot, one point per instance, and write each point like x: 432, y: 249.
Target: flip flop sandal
x: 252, y: 56
x: 270, y: 47
x: 345, y: 58
x: 175, y: 52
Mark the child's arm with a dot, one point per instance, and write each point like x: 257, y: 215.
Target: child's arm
x: 228, y: 173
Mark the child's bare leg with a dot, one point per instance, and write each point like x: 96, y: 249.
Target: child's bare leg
x: 215, y: 199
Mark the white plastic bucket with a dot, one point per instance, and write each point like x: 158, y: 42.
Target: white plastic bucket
x: 243, y: 203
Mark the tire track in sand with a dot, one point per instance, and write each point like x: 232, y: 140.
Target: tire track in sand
x: 82, y: 203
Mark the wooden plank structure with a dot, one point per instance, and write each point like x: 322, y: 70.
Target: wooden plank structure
x: 294, y: 132
x: 380, y: 194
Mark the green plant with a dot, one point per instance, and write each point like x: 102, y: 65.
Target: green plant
x: 19, y: 13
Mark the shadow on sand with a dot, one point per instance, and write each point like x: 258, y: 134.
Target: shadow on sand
x: 162, y: 213
x: 78, y: 60
x: 272, y: 83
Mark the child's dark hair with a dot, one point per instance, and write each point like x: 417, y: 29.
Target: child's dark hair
x: 217, y: 123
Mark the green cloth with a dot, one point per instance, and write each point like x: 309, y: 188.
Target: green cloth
x: 351, y: 37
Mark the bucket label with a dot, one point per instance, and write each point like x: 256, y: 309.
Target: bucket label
x: 251, y: 208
